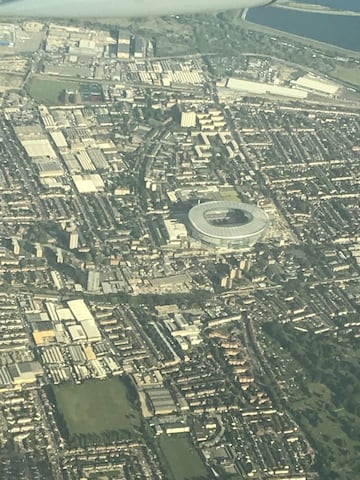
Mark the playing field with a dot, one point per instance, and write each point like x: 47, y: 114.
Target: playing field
x: 229, y: 194
x: 181, y: 459
x: 350, y: 75
x: 48, y: 91
x: 97, y: 406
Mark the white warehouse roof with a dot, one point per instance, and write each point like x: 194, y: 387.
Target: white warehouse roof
x: 91, y: 330
x: 77, y: 333
x: 91, y: 183
x: 38, y: 148
x: 311, y: 83
x: 80, y: 310
x: 259, y: 88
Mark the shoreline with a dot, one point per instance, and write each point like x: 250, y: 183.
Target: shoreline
x: 309, y: 8
x: 306, y: 40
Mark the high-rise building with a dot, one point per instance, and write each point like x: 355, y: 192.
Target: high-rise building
x: 139, y: 47
x: 73, y: 240
x: 123, y: 44
x: 93, y: 281
x: 124, y: 36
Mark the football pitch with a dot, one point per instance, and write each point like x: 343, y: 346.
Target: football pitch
x: 181, y: 458
x: 97, y: 406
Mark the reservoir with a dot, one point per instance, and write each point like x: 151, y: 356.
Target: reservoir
x: 342, y: 31
x: 353, y: 5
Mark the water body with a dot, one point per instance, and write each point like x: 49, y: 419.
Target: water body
x: 342, y: 31
x: 353, y: 5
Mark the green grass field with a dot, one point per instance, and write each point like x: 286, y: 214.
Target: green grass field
x: 181, y: 459
x: 97, y: 406
x: 48, y: 91
x: 327, y: 424
x: 229, y: 194
x: 350, y: 75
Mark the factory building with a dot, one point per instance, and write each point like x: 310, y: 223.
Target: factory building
x: 161, y: 401
x: 93, y: 281
x: 85, y: 318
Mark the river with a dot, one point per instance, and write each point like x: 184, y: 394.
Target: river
x: 342, y: 31
x: 353, y: 5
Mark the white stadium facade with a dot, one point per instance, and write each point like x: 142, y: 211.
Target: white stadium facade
x: 228, y: 224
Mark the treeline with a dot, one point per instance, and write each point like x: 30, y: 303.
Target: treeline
x: 333, y: 362
x: 83, y: 440
x: 186, y: 299
x: 327, y: 360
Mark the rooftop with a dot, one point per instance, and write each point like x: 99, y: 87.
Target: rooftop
x: 228, y: 220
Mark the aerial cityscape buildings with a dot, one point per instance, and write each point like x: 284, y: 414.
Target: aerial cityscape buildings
x: 179, y: 252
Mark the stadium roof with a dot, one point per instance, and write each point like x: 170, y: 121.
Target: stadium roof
x: 257, y: 220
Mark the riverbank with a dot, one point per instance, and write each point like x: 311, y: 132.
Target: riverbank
x: 324, y: 46
x: 315, y: 8
x: 344, y: 71
x: 338, y: 31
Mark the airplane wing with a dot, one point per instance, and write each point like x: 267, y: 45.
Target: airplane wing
x: 117, y: 8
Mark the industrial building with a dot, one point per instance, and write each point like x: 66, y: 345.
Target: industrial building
x: 49, y: 168
x: 86, y: 320
x: 312, y: 84
x: 25, y: 372
x: 93, y: 281
x: 228, y: 224
x: 161, y: 401
x: 261, y: 88
x: 90, y: 183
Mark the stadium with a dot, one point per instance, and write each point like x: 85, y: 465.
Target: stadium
x: 228, y: 224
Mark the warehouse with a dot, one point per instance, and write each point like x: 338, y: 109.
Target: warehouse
x: 260, y: 88
x: 314, y: 84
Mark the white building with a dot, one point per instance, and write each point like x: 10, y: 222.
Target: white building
x: 175, y: 230
x: 188, y: 119
x: 73, y: 240
x: 93, y: 281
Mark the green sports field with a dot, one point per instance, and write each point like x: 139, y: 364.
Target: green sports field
x: 97, y: 406
x: 46, y: 91
x: 181, y: 459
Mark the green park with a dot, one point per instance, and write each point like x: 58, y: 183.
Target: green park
x: 97, y: 407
